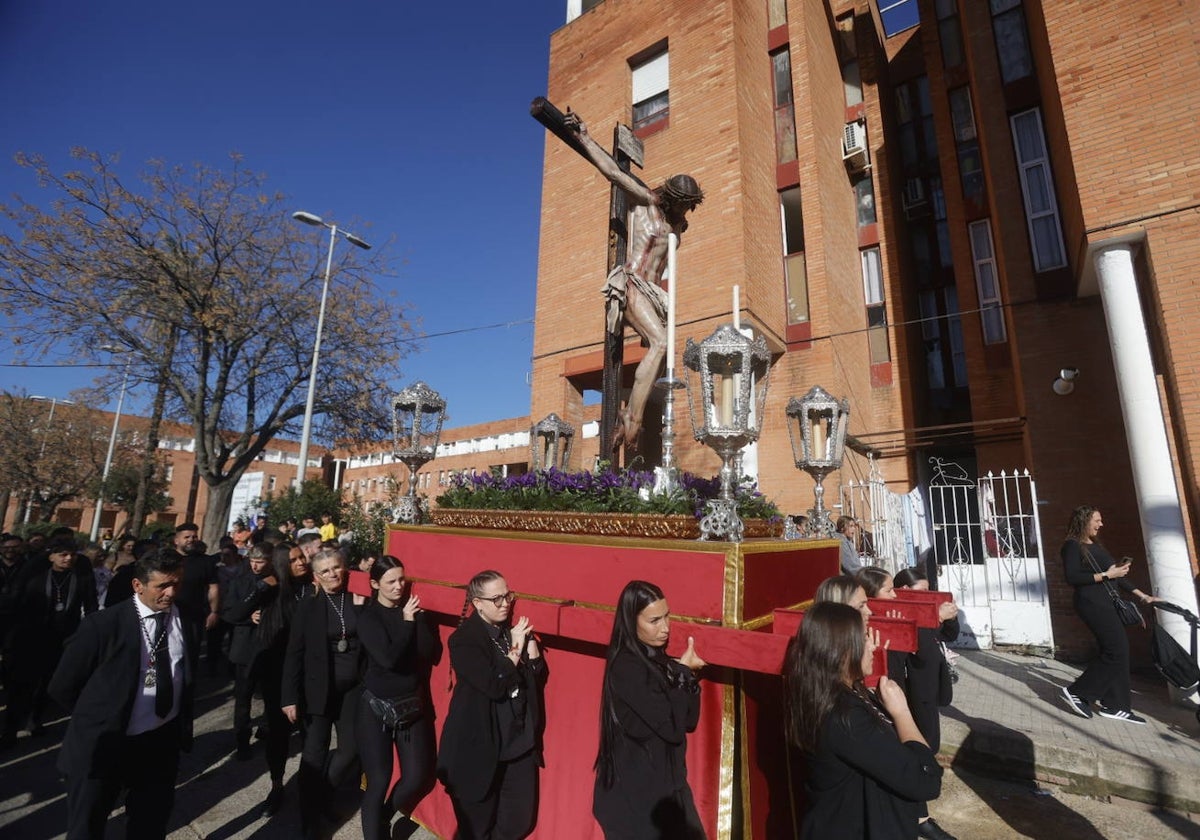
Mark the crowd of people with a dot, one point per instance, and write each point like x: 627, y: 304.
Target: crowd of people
x: 115, y: 643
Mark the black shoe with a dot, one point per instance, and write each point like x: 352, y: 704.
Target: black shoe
x: 1075, y: 704
x: 1122, y: 714
x: 933, y: 831
x: 273, y: 802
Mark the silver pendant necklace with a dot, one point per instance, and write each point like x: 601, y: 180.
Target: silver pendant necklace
x: 154, y: 648
x: 343, y: 644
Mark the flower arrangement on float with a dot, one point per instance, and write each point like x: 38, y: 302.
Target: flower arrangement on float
x: 604, y: 501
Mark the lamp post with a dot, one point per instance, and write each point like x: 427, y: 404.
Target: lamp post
x: 112, y: 445
x: 817, y: 429
x: 54, y: 401
x: 417, y: 415
x: 306, y: 433
x: 726, y: 406
x: 550, y: 442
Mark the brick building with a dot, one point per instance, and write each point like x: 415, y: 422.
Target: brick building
x: 934, y: 212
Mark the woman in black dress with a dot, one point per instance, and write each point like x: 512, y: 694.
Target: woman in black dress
x: 492, y: 740
x: 400, y: 647
x: 648, y: 705
x: 272, y: 617
x: 1089, y: 568
x: 868, y: 768
x: 322, y: 672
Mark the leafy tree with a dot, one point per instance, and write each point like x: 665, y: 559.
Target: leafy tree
x: 121, y: 487
x: 204, y: 268
x: 312, y: 499
x: 52, y: 451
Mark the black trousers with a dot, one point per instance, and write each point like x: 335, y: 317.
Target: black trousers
x: 244, y: 681
x: 321, y: 769
x: 268, y: 675
x: 414, y: 746
x: 1107, y: 678
x: 509, y: 811
x: 146, y: 767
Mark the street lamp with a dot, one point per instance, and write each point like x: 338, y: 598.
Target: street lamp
x: 306, y: 433
x: 112, y: 444
x: 54, y: 401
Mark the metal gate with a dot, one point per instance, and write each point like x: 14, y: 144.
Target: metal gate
x: 880, y: 513
x: 988, y: 550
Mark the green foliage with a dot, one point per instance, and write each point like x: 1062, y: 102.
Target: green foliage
x: 121, y: 486
x: 312, y: 499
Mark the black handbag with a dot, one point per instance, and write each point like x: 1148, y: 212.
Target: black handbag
x: 396, y: 712
x: 1127, y: 611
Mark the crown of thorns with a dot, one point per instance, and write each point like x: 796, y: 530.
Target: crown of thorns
x: 683, y: 188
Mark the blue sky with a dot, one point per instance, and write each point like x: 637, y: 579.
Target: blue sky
x: 402, y: 121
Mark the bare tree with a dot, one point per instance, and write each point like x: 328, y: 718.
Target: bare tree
x: 203, y: 268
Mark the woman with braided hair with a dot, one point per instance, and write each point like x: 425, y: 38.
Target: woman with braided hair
x: 632, y: 289
x: 491, y: 746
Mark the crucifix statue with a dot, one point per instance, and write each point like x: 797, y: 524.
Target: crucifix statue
x: 632, y: 291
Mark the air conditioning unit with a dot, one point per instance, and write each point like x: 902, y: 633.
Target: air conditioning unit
x: 854, y: 146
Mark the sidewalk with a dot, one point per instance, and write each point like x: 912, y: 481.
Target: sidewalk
x: 1008, y: 719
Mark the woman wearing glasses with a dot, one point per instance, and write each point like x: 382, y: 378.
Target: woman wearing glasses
x: 648, y: 705
x: 322, y: 670
x: 491, y: 742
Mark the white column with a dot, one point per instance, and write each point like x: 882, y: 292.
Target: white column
x: 1149, y: 454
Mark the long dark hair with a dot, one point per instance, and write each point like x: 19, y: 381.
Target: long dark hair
x: 908, y: 578
x: 1078, y: 522
x: 277, y: 614
x: 827, y: 648
x: 635, y: 597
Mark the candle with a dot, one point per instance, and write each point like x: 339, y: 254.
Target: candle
x: 818, y: 438
x: 672, y: 244
x: 727, y: 400
x: 737, y: 308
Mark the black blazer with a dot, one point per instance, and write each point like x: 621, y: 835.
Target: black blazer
x: 37, y: 632
x: 307, y: 669
x: 96, y: 681
x: 246, y: 594
x: 484, y: 678
x: 863, y: 781
x: 649, y: 753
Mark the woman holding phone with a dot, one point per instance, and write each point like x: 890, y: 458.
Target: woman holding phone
x: 1088, y: 567
x: 492, y: 740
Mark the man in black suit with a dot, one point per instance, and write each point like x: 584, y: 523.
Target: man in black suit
x: 125, y: 679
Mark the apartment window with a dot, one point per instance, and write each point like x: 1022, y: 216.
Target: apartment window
x: 1037, y: 187
x: 991, y: 316
x: 949, y: 32
x: 945, y: 352
x: 914, y: 111
x: 1012, y: 40
x: 898, y: 16
x: 270, y: 482
x: 864, y: 200
x: 931, y: 336
x: 848, y: 55
x: 785, y: 109
x: 958, y: 349
x: 651, y: 90
x: 877, y: 338
x: 970, y: 162
x: 169, y: 472
x: 795, y: 273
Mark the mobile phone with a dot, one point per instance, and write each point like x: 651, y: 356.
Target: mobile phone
x: 1125, y: 561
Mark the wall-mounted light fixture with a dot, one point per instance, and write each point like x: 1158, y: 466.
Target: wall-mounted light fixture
x: 1065, y: 383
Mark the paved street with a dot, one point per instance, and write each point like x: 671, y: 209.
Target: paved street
x: 1005, y: 721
